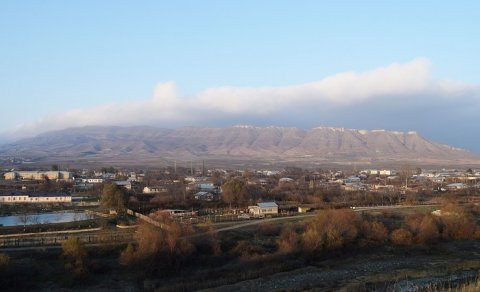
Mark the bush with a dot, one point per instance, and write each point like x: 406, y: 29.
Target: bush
x: 374, y: 233
x: 428, y: 231
x: 401, y: 236
x: 74, y: 254
x: 4, y: 260
x: 288, y: 240
x: 127, y: 256
x: 331, y: 229
x: 246, y: 249
x: 457, y: 223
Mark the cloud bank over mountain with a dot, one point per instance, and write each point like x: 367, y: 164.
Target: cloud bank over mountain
x: 395, y: 96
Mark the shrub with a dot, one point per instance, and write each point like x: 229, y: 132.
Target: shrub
x: 401, y: 236
x: 428, y: 231
x: 288, y: 240
x: 74, y: 255
x: 4, y: 260
x: 457, y: 223
x: 246, y: 249
x: 331, y: 229
x: 374, y: 233
x: 127, y: 256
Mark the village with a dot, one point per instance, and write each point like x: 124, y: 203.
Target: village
x: 220, y: 194
x: 150, y: 228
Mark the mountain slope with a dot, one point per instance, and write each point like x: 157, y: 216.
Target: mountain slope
x: 322, y: 144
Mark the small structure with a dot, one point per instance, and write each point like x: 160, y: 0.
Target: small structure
x: 204, y: 196
x: 304, y: 209
x: 263, y: 209
x: 285, y: 180
x: 154, y: 190
x: 93, y: 180
x: 456, y: 186
x: 124, y: 183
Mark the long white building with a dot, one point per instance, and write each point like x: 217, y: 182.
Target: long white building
x: 23, y: 198
x: 38, y: 175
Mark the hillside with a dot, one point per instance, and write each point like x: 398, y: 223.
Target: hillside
x: 247, y: 143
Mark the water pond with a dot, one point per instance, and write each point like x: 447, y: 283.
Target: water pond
x: 44, y: 218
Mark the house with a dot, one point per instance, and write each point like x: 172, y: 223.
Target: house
x: 154, y: 190
x: 354, y: 187
x: 206, y: 186
x: 93, y: 180
x: 352, y: 179
x: 204, y: 196
x: 456, y: 186
x: 386, y: 172
x: 263, y: 209
x: 124, y: 183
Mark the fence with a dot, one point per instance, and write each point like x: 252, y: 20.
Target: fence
x: 146, y: 219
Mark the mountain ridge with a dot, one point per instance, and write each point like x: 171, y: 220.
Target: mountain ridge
x: 238, y: 142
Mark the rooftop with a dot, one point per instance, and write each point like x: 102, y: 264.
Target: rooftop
x: 267, y: 204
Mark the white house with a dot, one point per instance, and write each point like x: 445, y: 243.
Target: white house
x: 93, y: 180
x: 386, y: 172
x: 154, y: 190
x: 263, y: 209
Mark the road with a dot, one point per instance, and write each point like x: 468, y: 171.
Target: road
x: 357, y: 209
x: 255, y: 222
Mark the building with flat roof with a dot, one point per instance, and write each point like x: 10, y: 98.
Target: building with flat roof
x: 24, y: 198
x: 263, y: 209
x: 38, y: 175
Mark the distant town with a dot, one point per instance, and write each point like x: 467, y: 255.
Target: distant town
x: 291, y: 189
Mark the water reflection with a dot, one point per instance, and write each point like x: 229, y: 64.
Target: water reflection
x: 44, y: 218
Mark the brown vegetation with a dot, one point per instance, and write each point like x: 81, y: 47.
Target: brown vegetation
x: 74, y: 255
x: 401, y: 236
x: 234, y: 192
x: 331, y: 229
x: 288, y: 240
x: 113, y: 197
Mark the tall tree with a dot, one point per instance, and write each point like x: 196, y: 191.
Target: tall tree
x: 113, y: 197
x: 234, y: 191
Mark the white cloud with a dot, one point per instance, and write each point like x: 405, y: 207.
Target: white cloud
x: 408, y: 81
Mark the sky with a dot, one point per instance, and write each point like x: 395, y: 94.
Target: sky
x: 395, y: 65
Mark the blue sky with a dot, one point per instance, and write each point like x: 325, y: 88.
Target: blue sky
x: 218, y: 63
